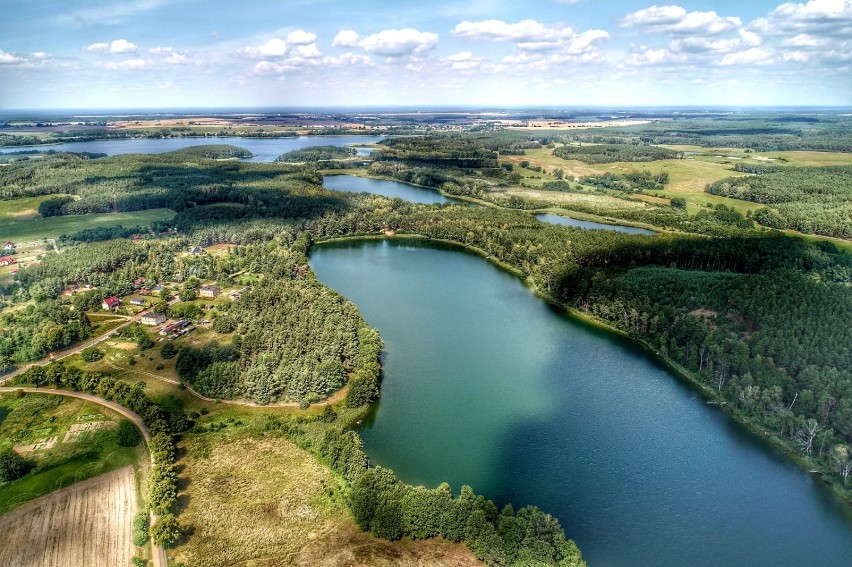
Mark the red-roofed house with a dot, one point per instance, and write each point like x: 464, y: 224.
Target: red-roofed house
x: 9, y: 246
x: 111, y: 303
x: 6, y: 261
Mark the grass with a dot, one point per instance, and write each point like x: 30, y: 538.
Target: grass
x: 53, y: 227
x: 255, y: 498
x: 24, y: 207
x: 34, y: 417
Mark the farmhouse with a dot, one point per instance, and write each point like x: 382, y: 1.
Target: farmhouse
x: 6, y: 261
x: 138, y: 301
x: 153, y: 319
x: 9, y: 246
x: 111, y: 303
x: 210, y: 290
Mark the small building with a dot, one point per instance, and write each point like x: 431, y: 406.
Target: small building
x: 209, y: 291
x: 111, y: 303
x: 235, y: 295
x: 153, y: 319
x: 138, y: 301
x: 157, y: 289
x: 138, y: 282
x: 196, y: 250
x: 6, y: 260
x: 9, y: 246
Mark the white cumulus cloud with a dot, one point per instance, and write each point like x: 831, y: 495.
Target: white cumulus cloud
x: 753, y: 56
x: 399, y: 43
x: 676, y: 20
x: 346, y: 38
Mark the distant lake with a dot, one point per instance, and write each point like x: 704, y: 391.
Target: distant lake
x: 485, y: 384
x: 392, y: 189
x: 567, y: 221
x: 264, y: 149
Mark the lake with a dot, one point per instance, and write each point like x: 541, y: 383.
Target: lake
x: 392, y: 189
x: 568, y: 221
x: 486, y: 385
x: 264, y: 149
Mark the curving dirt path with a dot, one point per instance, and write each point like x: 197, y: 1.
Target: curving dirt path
x: 158, y: 554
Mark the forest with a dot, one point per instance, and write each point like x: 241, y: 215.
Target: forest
x: 812, y: 200
x: 317, y: 153
x: 611, y: 153
x: 756, y: 131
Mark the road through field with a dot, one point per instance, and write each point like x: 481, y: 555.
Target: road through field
x: 158, y: 553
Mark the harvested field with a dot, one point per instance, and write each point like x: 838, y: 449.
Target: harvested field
x: 83, y: 525
x: 264, y: 502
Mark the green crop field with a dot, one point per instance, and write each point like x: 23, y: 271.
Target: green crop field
x: 25, y: 229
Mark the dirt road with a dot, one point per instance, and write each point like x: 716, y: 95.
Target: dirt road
x: 158, y: 553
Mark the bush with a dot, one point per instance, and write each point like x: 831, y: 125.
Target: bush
x: 92, y: 354
x: 127, y: 435
x: 140, y: 529
x: 13, y: 466
x: 168, y: 350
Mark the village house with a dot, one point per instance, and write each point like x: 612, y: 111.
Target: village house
x: 153, y: 319
x: 196, y: 250
x: 111, y: 303
x: 6, y: 261
x: 9, y: 246
x: 209, y: 290
x: 138, y: 301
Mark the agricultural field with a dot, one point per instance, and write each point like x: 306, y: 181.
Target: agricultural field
x: 261, y: 501
x: 80, y: 526
x: 26, y: 228
x: 66, y: 440
x: 688, y: 176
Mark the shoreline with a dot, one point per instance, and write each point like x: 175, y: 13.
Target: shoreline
x: 686, y: 376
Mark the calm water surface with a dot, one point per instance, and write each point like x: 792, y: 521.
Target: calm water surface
x: 567, y: 221
x: 411, y: 193
x: 484, y: 384
x: 264, y: 149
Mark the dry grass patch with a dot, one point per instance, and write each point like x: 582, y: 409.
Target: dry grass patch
x: 265, y: 502
x: 83, y: 525
x: 586, y: 198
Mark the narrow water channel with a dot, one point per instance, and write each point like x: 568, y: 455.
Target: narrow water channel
x: 388, y: 188
x: 486, y: 385
x: 568, y: 221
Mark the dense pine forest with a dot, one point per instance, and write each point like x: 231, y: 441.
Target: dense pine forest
x: 813, y: 200
x: 758, y: 319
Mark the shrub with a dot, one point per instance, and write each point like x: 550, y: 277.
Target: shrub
x: 127, y: 435
x: 92, y: 354
x: 140, y: 529
x: 13, y: 466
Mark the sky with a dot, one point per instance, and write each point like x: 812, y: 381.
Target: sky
x: 254, y: 53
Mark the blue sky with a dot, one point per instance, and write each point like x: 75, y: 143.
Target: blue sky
x: 196, y: 53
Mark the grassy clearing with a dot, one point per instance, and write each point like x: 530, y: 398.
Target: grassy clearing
x: 35, y: 418
x: 26, y: 207
x: 257, y: 499
x: 53, y: 227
